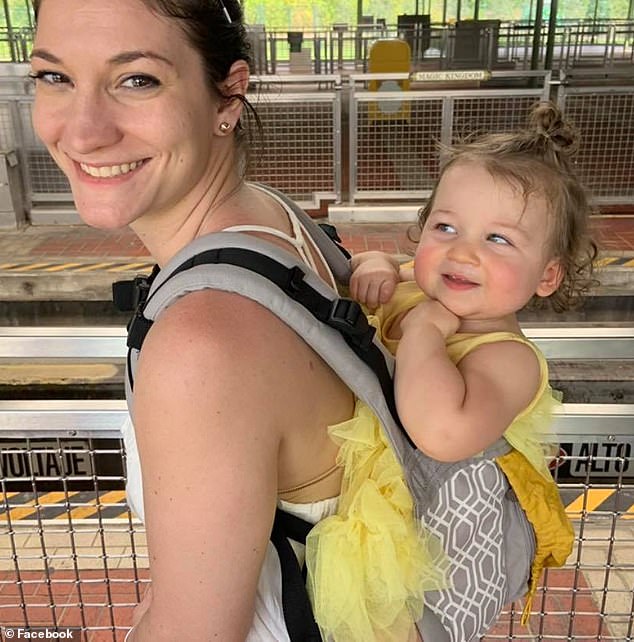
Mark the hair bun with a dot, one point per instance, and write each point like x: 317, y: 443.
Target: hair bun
x: 547, y: 122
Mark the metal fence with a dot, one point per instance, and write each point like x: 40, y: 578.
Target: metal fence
x: 605, y: 117
x: 394, y: 134
x: 72, y: 554
x: 373, y: 139
x: 298, y: 149
x: 493, y: 44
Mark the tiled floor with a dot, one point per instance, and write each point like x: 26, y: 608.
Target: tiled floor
x: 613, y: 233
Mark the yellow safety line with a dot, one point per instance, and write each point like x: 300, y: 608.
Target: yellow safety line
x: 81, y: 512
x: 32, y: 266
x: 629, y: 263
x: 128, y: 266
x: 29, y: 507
x: 594, y: 498
x: 59, y: 268
x: 605, y: 260
x: 95, y: 266
x: 5, y: 266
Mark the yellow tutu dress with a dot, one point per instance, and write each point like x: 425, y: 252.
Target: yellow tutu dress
x: 370, y: 564
x: 530, y: 435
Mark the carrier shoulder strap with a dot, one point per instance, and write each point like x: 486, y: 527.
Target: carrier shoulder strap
x: 335, y: 327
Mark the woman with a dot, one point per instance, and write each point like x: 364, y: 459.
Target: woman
x: 139, y: 102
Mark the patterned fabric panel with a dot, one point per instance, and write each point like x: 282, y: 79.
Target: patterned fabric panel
x: 468, y: 517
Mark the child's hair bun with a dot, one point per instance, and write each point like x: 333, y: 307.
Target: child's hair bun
x: 547, y: 123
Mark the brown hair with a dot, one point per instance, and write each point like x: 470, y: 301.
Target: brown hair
x: 537, y: 160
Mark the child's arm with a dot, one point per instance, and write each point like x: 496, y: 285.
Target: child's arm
x: 455, y: 412
x: 374, y: 277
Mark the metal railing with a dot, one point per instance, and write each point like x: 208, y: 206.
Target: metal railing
x: 298, y: 152
x: 561, y: 342
x: 347, y: 47
x: 373, y: 138
x: 394, y: 133
x: 73, y: 555
x: 605, y: 118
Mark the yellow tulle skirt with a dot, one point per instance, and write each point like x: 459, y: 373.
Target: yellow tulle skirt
x: 370, y: 564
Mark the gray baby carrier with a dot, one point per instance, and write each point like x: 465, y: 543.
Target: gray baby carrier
x: 469, y: 505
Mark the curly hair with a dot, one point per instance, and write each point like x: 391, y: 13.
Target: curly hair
x: 537, y: 161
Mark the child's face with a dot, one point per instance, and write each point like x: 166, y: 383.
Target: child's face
x: 484, y: 250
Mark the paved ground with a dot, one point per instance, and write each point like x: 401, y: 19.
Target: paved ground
x: 79, y: 262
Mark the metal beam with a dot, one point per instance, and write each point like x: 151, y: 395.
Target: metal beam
x: 550, y: 41
x: 537, y: 34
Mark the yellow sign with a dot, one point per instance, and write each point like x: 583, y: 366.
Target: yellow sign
x: 389, y: 57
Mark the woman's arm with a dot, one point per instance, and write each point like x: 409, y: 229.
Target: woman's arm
x: 453, y: 412
x: 208, y: 435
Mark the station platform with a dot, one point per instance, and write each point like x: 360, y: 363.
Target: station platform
x: 76, y: 262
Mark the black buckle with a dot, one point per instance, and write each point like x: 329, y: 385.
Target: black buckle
x: 128, y: 295
x: 295, y: 280
x: 347, y: 317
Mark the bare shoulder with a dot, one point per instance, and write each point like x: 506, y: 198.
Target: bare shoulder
x: 220, y: 337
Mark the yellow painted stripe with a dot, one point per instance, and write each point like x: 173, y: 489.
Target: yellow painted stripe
x: 81, y: 512
x: 128, y: 266
x: 31, y: 266
x: 605, y: 260
x: 629, y: 263
x: 6, y: 266
x: 94, y: 266
x: 629, y: 513
x: 59, y: 268
x: 22, y: 512
x: 594, y: 498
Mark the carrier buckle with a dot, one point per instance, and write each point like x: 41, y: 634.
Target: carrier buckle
x: 347, y: 317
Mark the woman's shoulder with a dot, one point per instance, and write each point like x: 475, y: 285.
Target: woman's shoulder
x: 209, y: 329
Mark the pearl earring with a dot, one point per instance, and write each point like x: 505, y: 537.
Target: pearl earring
x: 224, y: 127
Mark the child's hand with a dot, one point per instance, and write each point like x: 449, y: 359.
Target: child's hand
x: 434, y: 313
x: 374, y: 278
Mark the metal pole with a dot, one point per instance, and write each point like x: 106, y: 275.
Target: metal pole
x: 458, y: 10
x: 550, y: 41
x: 630, y: 11
x: 537, y: 34
x: 357, y: 42
x: 476, y: 9
x: 7, y: 18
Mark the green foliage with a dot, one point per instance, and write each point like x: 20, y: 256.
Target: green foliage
x: 281, y: 14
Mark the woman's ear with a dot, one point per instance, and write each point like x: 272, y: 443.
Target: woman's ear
x: 551, y: 279
x: 236, y: 83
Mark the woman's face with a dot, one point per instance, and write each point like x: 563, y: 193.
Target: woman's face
x: 123, y: 106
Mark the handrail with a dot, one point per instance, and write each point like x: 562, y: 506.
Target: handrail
x: 103, y: 418
x: 564, y: 342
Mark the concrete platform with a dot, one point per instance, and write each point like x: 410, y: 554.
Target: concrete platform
x: 75, y: 262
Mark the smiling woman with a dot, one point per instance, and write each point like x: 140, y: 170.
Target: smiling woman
x: 141, y: 104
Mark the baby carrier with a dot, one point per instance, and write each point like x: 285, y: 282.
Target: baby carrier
x: 470, y: 505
